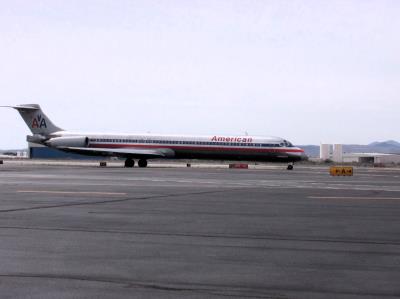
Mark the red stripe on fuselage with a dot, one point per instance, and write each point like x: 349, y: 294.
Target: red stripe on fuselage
x: 200, y: 148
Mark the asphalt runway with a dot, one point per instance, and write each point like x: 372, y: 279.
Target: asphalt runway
x: 90, y: 232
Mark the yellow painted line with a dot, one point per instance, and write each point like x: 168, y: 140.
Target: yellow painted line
x: 351, y: 197
x: 72, y: 192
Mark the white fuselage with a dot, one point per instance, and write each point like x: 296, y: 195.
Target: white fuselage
x: 221, y: 147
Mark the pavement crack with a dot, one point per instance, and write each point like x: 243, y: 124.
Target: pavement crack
x: 216, y: 236
x: 113, y: 200
x: 208, y: 289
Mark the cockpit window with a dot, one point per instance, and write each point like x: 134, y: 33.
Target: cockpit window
x: 287, y: 143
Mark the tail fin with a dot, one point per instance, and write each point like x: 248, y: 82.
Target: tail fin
x: 36, y: 120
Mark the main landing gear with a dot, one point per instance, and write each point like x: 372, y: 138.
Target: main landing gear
x: 129, y: 163
x: 142, y: 163
x: 290, y: 166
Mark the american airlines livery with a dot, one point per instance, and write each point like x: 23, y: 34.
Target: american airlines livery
x: 151, y: 146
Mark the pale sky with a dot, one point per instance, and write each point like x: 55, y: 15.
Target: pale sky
x: 308, y: 71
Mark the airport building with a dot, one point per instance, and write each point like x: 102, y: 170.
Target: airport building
x: 331, y: 152
x: 38, y: 151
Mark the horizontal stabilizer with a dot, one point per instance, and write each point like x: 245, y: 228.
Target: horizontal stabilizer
x: 24, y: 107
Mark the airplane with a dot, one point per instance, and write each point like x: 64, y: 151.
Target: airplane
x: 152, y: 146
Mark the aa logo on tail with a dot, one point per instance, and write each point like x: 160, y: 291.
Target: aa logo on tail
x: 39, y: 122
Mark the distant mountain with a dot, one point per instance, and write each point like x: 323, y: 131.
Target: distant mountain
x: 311, y: 150
x: 385, y: 147
x: 385, y: 143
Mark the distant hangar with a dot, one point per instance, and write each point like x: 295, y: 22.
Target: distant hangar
x: 371, y: 158
x: 336, y: 154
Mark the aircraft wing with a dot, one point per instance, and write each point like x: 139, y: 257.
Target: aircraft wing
x: 122, y: 152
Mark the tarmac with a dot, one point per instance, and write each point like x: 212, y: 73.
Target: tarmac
x: 81, y: 231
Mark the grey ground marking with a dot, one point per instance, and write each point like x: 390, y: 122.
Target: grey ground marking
x: 109, y: 201
x: 212, y: 236
x: 221, y: 290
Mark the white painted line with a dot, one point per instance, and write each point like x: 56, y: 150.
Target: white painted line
x: 352, y: 197
x: 72, y: 192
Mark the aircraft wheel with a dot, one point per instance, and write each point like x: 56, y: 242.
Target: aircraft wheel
x: 129, y: 163
x: 142, y: 163
x: 290, y: 167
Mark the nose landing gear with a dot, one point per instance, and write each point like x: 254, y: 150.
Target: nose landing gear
x: 290, y: 166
